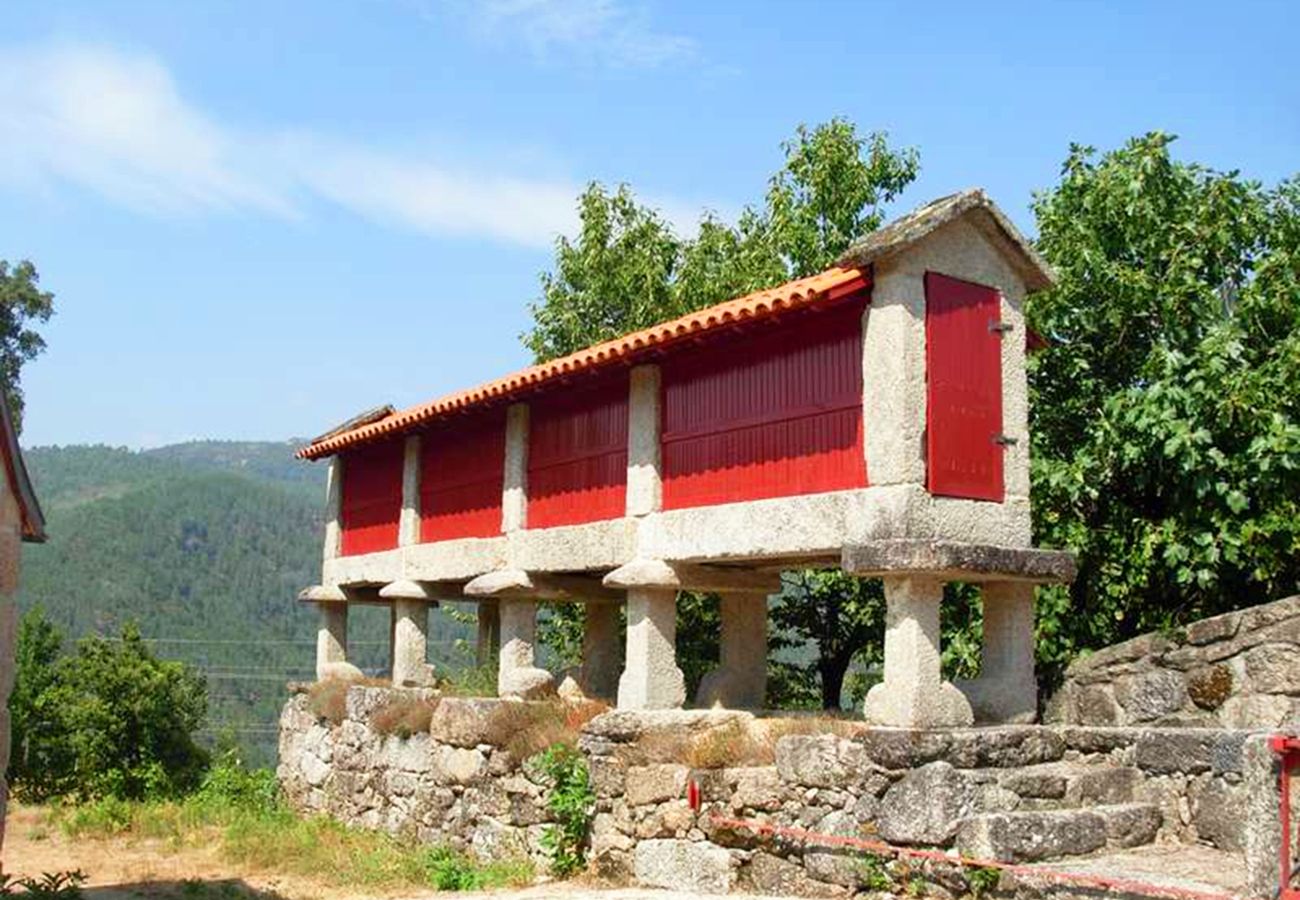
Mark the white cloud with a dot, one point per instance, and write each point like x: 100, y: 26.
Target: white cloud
x: 117, y: 125
x: 604, y: 31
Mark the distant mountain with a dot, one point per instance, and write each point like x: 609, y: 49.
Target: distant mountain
x: 205, y: 545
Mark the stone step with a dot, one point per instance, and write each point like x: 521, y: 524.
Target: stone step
x: 1038, y: 835
x: 1066, y: 785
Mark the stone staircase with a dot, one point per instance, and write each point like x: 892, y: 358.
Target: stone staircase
x: 1059, y: 810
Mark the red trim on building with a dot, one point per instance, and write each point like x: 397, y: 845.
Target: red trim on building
x: 963, y: 349
x: 577, y: 454
x: 372, y: 498
x: 771, y: 414
x: 462, y: 466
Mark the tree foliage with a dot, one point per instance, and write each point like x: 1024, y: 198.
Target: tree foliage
x: 109, y: 720
x: 627, y: 270
x: 22, y: 303
x: 1166, y: 409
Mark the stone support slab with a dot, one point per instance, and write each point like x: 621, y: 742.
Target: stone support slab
x: 517, y: 672
x: 740, y: 681
x: 651, y: 679
x: 514, y: 497
x: 410, y: 643
x: 913, y: 693
x: 1006, y: 691
x: 408, y: 526
x: 601, y: 660
x: 487, y: 646
x: 644, y: 481
x: 957, y: 561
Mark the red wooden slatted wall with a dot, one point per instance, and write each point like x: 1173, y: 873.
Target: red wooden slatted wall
x: 577, y: 455
x: 372, y: 497
x: 964, y: 383
x: 767, y: 415
x: 462, y: 466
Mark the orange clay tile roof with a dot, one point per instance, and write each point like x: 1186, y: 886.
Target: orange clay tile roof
x: 804, y: 292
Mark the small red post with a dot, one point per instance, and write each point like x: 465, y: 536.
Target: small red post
x: 1288, y: 751
x: 693, y: 795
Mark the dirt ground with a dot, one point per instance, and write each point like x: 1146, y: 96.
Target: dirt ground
x: 125, y: 869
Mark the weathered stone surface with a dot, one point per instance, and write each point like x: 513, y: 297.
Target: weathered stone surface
x: 903, y: 748
x: 1149, y: 696
x: 1101, y: 785
x: 1258, y: 711
x: 683, y: 866
x: 925, y: 806
x: 622, y: 726
x: 1274, y: 669
x: 608, y: 775
x: 457, y: 765
x: 1130, y: 824
x: 1038, y: 782
x: 656, y: 783
x: 953, y: 559
x: 466, y: 721
x: 1016, y: 745
x: 820, y: 760
x: 1218, y: 812
x: 1032, y: 836
x: 772, y: 875
x: 1214, y: 629
x: 1176, y: 751
x: 758, y: 788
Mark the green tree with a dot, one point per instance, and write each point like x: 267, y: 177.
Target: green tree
x: 628, y: 270
x: 108, y: 720
x: 1166, y: 408
x: 22, y: 302
x: 34, y: 750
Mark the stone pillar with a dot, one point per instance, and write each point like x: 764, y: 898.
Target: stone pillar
x: 644, y: 484
x: 487, y: 647
x: 331, y: 639
x: 334, y: 509
x: 514, y: 496
x: 651, y: 679
x: 740, y: 681
x: 1006, y: 691
x: 893, y: 357
x: 408, y: 527
x: 517, y: 671
x: 601, y: 664
x: 410, y: 643
x: 914, y: 694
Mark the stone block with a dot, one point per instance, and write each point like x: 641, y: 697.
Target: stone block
x: 457, y: 765
x: 1168, y: 752
x: 1151, y: 695
x: 1032, y: 836
x: 654, y: 784
x: 768, y: 874
x: 1209, y: 686
x: 820, y: 760
x: 1218, y: 812
x: 1038, y: 783
x: 1130, y: 824
x: 466, y: 721
x: 1009, y: 747
x: 758, y: 787
x: 679, y: 865
x: 903, y: 748
x: 926, y: 805
x: 1274, y: 669
x: 608, y: 775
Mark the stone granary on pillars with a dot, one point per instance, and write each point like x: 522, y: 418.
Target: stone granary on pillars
x: 20, y: 521
x: 871, y: 417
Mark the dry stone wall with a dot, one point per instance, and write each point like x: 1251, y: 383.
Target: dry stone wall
x: 1239, y: 670
x: 454, y: 785
x: 1019, y: 793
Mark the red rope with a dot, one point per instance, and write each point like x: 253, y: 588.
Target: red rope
x: 1100, y: 881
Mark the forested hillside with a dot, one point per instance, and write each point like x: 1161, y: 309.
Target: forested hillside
x: 205, y: 545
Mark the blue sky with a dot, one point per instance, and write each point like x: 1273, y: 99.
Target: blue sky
x: 260, y: 218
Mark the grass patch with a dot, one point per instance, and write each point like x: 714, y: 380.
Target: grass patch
x: 241, y: 811
x: 526, y: 729
x: 403, y: 715
x: 474, y: 681
x: 734, y: 743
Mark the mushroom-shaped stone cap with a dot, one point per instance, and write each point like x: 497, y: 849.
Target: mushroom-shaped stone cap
x: 320, y: 593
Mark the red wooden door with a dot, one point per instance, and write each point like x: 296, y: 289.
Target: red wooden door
x: 963, y: 353
x: 372, y: 497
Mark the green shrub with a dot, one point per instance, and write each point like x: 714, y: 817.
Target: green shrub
x: 48, y: 886
x: 109, y: 720
x: 572, y: 802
